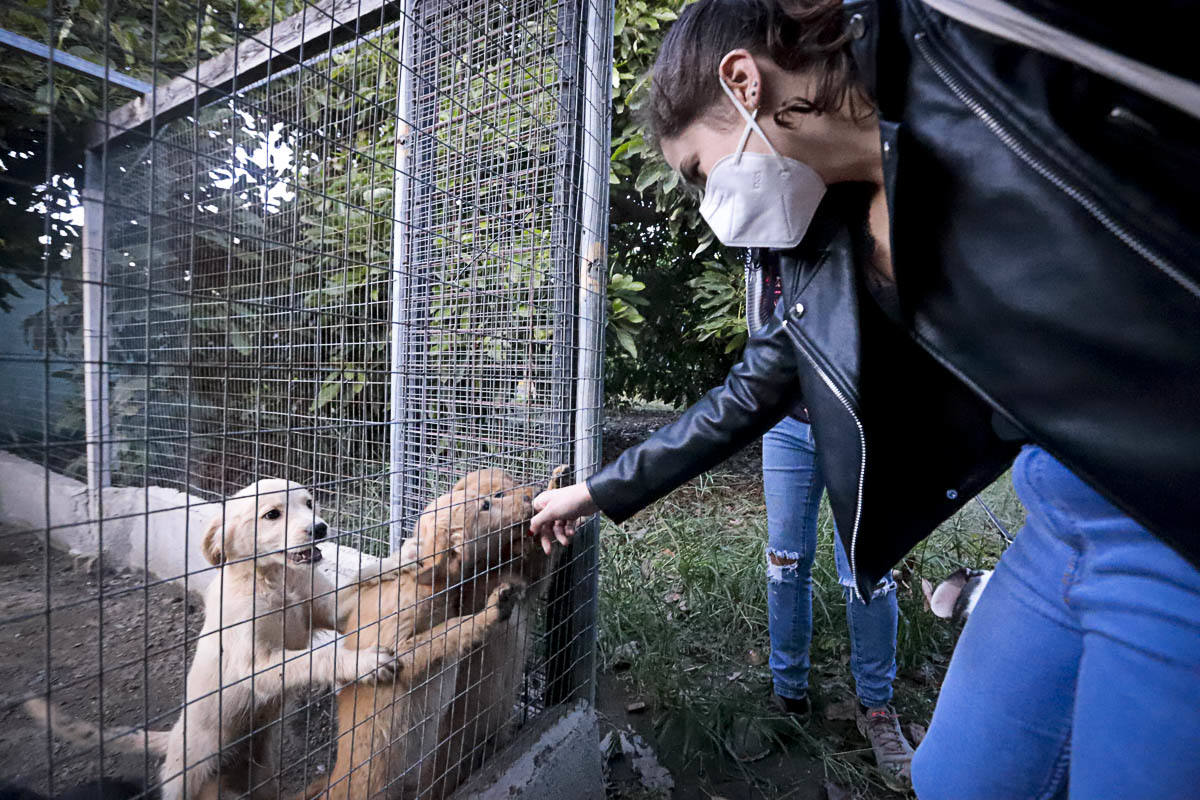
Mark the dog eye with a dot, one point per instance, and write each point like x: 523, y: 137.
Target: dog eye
x: 308, y: 502
x: 500, y: 493
x: 272, y: 514
x: 485, y: 505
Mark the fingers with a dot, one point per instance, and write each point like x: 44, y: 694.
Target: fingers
x: 538, y: 525
x: 563, y: 531
x: 557, y: 512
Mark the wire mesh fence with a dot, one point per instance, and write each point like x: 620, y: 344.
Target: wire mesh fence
x: 295, y: 338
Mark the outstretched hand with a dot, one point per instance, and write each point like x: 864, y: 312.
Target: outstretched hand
x: 557, y: 513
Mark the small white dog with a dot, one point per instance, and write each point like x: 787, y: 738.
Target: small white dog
x: 270, y: 627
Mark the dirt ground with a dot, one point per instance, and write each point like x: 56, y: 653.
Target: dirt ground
x: 694, y: 778
x: 108, y: 619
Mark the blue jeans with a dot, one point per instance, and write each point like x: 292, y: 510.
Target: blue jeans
x: 1078, y: 674
x: 792, y: 483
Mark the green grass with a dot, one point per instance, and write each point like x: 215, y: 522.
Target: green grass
x: 686, y: 581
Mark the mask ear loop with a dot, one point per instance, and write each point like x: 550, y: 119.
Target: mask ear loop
x: 741, y: 145
x: 751, y: 118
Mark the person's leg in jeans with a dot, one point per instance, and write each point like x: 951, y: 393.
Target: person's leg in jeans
x: 792, y: 485
x: 872, y: 634
x: 1079, y: 670
x: 873, y: 665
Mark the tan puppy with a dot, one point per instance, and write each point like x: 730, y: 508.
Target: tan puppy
x: 489, y: 678
x: 269, y: 627
x: 465, y: 558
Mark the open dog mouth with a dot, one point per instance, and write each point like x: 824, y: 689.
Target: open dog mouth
x: 309, y: 556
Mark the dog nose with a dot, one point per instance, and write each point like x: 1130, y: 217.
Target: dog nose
x: 319, y: 530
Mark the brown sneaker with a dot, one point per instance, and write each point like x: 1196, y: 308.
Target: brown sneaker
x: 893, y: 754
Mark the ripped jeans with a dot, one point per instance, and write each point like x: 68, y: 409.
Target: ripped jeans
x: 793, y: 484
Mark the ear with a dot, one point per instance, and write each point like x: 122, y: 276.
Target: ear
x: 739, y: 71
x: 437, y: 569
x: 942, y: 601
x: 439, y: 566
x: 425, y: 577
x: 213, y: 545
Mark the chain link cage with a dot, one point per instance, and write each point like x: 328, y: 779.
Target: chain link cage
x: 305, y: 305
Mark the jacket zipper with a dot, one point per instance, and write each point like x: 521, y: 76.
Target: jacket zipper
x: 1020, y: 151
x: 862, y: 461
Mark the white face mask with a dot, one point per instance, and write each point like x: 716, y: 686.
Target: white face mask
x: 759, y: 200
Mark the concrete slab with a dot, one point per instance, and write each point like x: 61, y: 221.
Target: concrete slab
x: 554, y: 758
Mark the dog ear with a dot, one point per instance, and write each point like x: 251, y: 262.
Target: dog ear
x: 441, y: 565
x: 213, y: 544
x: 425, y: 576
x: 944, y: 597
x: 438, y: 568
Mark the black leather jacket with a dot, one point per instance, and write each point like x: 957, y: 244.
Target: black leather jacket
x: 1046, y: 277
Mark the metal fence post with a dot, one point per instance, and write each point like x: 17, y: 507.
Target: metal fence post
x: 95, y: 345
x: 401, y: 221
x: 574, y: 634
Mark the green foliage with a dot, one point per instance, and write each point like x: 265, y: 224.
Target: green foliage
x: 279, y: 232
x: 721, y: 293
x: 624, y: 298
x: 673, y: 364
x: 674, y: 303
x: 150, y: 41
x: 46, y: 113
x: 693, y: 327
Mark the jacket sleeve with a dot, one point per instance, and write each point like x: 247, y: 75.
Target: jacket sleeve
x: 757, y: 393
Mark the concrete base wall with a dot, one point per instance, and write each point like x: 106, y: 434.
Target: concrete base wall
x: 155, y: 529
x: 554, y: 758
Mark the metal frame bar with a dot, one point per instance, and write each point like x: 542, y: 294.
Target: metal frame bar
x: 576, y: 588
x: 402, y: 206
x: 593, y: 278
x: 593, y: 275
x: 284, y: 44
x: 560, y: 611
x: 95, y: 332
x: 411, y: 360
x: 65, y: 59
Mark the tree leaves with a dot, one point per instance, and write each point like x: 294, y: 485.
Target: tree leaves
x: 691, y: 326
